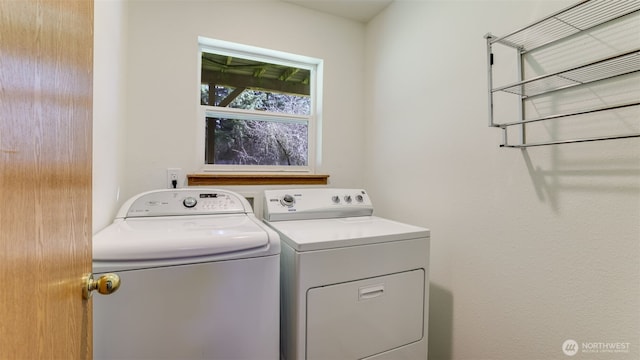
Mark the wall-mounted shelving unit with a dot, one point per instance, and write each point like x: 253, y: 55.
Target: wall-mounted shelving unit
x: 553, y: 30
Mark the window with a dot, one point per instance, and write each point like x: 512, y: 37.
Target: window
x: 259, y: 108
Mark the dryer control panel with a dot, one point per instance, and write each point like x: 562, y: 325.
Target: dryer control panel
x: 176, y: 202
x: 299, y: 204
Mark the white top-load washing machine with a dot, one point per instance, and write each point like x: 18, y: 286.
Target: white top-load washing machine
x: 199, y: 279
x: 354, y: 286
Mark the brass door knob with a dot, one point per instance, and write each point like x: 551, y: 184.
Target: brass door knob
x: 106, y: 284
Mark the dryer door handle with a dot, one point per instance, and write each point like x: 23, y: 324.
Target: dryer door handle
x: 370, y: 292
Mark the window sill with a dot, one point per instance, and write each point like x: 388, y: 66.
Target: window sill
x: 256, y: 179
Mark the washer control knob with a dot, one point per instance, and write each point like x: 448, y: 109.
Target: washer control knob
x: 335, y: 199
x: 189, y: 202
x: 359, y: 198
x: 347, y: 199
x: 287, y: 200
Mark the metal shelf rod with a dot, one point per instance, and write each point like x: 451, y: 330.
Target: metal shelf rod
x: 556, y: 116
x: 560, y: 142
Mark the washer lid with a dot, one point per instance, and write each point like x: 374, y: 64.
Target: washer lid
x: 177, y: 237
x: 317, y: 234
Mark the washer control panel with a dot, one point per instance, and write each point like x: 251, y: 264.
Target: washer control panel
x: 297, y: 204
x: 176, y: 202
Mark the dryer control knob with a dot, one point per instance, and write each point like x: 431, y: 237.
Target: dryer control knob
x: 288, y: 200
x: 335, y: 199
x: 347, y: 199
x: 189, y: 202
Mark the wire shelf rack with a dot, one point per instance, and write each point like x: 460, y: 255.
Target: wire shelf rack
x: 552, y: 31
x: 582, y: 16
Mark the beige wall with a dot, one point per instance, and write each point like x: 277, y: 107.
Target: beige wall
x: 529, y: 248
x: 109, y: 109
x: 163, y: 80
x: 146, y: 107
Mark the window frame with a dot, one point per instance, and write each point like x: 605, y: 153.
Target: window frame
x: 313, y: 120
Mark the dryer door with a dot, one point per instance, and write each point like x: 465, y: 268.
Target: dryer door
x: 362, y: 318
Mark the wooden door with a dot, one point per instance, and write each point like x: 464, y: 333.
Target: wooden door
x: 46, y: 57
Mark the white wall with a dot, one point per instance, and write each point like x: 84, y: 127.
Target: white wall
x: 163, y: 80
x: 109, y: 106
x: 529, y: 248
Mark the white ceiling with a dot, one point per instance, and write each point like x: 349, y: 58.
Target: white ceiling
x: 359, y: 10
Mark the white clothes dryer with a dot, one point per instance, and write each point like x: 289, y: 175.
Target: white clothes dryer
x: 353, y: 285
x: 199, y: 279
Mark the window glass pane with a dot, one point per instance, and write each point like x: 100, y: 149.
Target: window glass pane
x: 235, y: 82
x: 259, y: 108
x: 255, y: 142
x: 258, y: 100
